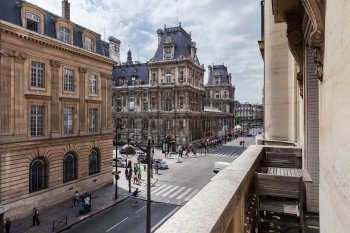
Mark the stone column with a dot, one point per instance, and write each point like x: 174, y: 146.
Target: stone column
x: 82, y: 104
x: 106, y: 95
x: 20, y: 119
x: 55, y: 108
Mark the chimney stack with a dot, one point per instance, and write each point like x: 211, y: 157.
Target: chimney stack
x: 66, y: 9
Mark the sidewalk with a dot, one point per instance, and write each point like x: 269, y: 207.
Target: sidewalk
x: 101, y: 200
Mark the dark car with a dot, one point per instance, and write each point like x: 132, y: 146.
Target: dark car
x: 121, y: 162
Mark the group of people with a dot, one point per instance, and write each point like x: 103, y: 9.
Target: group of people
x: 187, y: 150
x: 134, y: 173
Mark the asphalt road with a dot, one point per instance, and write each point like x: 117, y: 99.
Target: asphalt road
x: 123, y: 218
x: 174, y: 187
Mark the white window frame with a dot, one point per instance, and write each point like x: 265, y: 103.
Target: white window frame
x: 68, y: 120
x: 65, y: 33
x: 168, y: 78
x: 33, y: 18
x: 93, y: 84
x: 69, y: 81
x: 37, y: 120
x: 88, y: 43
x: 92, y: 120
x: 38, y: 74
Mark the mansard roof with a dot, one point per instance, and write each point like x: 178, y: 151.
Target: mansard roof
x: 179, y: 38
x: 220, y: 70
x: 129, y: 70
x: 11, y: 12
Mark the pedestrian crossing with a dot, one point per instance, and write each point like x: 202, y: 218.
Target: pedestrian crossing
x: 175, y: 192
x: 225, y: 154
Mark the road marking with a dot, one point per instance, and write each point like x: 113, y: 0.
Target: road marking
x: 191, y: 195
x: 140, y: 209
x: 167, y: 193
x: 165, y: 218
x: 117, y: 224
x: 172, y: 195
x: 184, y: 193
x: 157, y: 189
x: 163, y: 190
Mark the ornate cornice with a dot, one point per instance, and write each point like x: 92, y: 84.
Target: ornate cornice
x: 26, y: 34
x: 318, y: 58
x: 55, y: 64
x: 13, y: 53
x: 295, y: 42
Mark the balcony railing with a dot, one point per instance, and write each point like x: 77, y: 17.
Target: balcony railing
x: 227, y: 203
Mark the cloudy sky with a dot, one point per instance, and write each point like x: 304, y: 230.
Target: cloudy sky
x: 226, y: 31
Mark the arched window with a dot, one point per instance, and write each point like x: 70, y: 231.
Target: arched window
x: 37, y: 175
x: 69, y: 168
x: 94, y: 162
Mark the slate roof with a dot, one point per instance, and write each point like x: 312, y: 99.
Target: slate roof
x: 129, y: 72
x: 11, y: 12
x: 222, y: 71
x: 181, y: 39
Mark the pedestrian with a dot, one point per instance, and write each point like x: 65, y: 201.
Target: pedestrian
x: 135, y: 180
x: 205, y: 151
x: 8, y: 225
x: 126, y: 173
x: 35, y: 216
x: 135, y: 169
x: 76, y: 198
x: 194, y: 152
x: 139, y: 171
x: 144, y: 167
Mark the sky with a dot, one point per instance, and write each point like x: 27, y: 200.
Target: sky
x: 225, y: 31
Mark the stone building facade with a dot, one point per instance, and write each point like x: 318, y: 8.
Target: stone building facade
x: 55, y: 100
x: 305, y: 48
x: 250, y: 115
x: 164, y: 98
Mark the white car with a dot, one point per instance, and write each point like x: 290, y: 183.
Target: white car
x: 160, y: 163
x: 219, y: 166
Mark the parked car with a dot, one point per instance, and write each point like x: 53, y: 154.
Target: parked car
x: 121, y: 162
x: 160, y: 163
x: 219, y: 166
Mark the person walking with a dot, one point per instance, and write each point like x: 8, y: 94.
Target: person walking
x: 76, y: 197
x: 144, y: 167
x: 8, y: 225
x: 35, y: 216
x: 139, y: 171
x: 126, y: 173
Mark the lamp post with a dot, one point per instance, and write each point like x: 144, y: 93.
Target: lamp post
x: 128, y: 150
x: 116, y: 160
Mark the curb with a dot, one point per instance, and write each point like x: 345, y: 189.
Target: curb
x: 92, y: 214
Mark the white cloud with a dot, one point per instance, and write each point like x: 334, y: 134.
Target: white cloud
x: 226, y: 31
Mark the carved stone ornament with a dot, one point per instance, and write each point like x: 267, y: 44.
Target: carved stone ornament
x: 82, y: 70
x: 318, y: 58
x: 55, y: 64
x: 295, y: 42
x: 314, y: 9
x: 13, y: 53
x: 106, y: 75
x: 168, y: 40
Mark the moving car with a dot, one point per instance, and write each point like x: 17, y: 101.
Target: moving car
x: 160, y: 163
x: 219, y: 166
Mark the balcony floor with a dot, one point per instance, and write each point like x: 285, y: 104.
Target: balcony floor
x: 311, y: 222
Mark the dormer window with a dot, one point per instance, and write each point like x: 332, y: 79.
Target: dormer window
x: 65, y: 34
x: 133, y: 81
x: 217, y: 95
x: 88, y: 43
x: 135, y: 70
x: 33, y: 22
x: 167, y: 53
x: 32, y: 17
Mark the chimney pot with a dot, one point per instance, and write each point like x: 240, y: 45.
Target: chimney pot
x: 66, y: 9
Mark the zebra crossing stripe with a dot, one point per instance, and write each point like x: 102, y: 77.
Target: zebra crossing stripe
x: 163, y: 190
x: 184, y: 193
x: 191, y: 195
x: 178, y: 191
x: 167, y: 193
x: 158, y: 188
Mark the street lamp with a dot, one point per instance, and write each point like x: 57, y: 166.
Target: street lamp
x: 130, y: 150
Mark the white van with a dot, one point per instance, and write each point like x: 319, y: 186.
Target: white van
x: 218, y: 166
